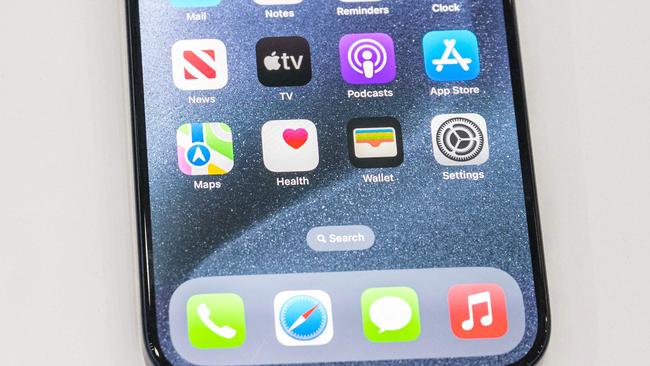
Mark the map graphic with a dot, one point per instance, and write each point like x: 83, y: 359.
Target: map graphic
x: 205, y: 149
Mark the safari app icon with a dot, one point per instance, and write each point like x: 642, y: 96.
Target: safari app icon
x: 367, y: 58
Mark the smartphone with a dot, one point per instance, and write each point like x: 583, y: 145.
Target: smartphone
x: 334, y: 181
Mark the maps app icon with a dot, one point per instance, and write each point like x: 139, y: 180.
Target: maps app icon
x: 205, y: 149
x: 451, y: 55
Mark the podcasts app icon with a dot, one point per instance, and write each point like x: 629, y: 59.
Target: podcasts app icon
x: 375, y: 142
x: 367, y: 58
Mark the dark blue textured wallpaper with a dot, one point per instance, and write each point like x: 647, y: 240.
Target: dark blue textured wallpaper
x: 252, y: 226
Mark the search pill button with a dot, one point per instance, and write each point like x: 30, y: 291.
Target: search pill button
x: 340, y: 238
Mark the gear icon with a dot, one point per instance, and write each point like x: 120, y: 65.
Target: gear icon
x: 460, y: 139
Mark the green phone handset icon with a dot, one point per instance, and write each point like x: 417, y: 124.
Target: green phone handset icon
x: 216, y: 321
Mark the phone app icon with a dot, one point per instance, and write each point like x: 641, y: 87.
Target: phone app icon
x: 283, y: 61
x: 216, y: 321
x: 367, y: 58
x: 290, y: 146
x: 451, y: 55
x: 200, y: 64
x: 195, y: 3
x: 478, y: 311
x: 460, y: 139
x: 205, y: 149
x: 375, y: 142
x: 278, y: 2
x: 390, y: 314
x: 303, y: 318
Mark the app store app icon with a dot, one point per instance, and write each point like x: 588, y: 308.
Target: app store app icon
x: 451, y: 55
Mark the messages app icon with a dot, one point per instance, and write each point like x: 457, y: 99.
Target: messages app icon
x: 390, y: 314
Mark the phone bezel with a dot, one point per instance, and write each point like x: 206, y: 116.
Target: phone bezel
x: 143, y: 208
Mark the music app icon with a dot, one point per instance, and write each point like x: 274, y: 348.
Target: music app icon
x: 478, y: 311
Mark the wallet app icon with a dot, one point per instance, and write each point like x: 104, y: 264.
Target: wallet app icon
x: 375, y: 142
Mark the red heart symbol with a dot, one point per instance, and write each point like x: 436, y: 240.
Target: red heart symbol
x: 295, y: 138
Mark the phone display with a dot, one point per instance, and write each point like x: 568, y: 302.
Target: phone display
x: 334, y: 181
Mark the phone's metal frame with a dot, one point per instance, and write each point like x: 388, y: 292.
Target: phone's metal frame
x: 152, y: 343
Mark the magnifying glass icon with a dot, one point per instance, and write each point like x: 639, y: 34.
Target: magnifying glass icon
x: 321, y: 238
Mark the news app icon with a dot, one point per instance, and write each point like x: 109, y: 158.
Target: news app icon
x: 205, y: 149
x: 478, y: 311
x: 200, y: 64
x: 375, y: 142
x: 367, y: 58
x: 451, y: 55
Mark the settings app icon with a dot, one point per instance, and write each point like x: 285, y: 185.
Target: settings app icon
x: 460, y: 139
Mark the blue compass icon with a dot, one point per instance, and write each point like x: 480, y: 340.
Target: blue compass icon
x: 303, y: 317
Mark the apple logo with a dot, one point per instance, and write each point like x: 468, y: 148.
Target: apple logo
x: 272, y: 62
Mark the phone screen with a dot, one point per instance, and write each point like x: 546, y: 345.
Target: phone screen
x: 334, y: 181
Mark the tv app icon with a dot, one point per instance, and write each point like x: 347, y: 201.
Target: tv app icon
x: 290, y: 146
x: 367, y: 58
x: 200, y: 64
x: 460, y: 139
x: 283, y: 61
x: 375, y: 142
x: 451, y: 55
x: 303, y: 318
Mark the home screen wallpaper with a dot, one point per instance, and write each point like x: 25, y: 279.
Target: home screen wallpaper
x: 316, y: 165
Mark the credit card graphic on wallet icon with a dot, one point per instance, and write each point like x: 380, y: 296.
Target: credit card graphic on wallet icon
x: 375, y: 142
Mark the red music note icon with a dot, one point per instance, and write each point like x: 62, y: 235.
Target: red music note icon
x: 478, y: 311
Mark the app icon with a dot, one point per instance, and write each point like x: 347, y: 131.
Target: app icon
x: 205, y: 148
x: 451, y: 55
x: 303, y: 318
x: 375, y: 142
x: 216, y: 321
x: 460, y: 139
x: 195, y: 3
x: 278, y: 2
x: 367, y: 58
x: 200, y: 64
x: 283, y: 61
x: 290, y: 146
x: 478, y: 311
x: 390, y: 314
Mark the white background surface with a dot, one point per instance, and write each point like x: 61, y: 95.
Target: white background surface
x: 68, y: 293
